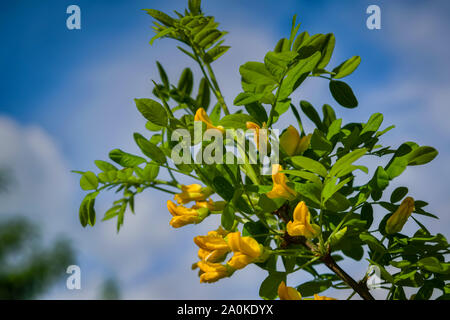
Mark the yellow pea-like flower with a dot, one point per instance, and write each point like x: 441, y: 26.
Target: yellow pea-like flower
x: 280, y: 188
x: 192, y: 192
x: 183, y: 216
x: 301, y: 226
x: 212, y: 247
x: 288, y: 293
x: 398, y: 219
x: 246, y: 250
x: 212, y: 272
x: 201, y: 115
x: 317, y: 297
x: 259, y: 133
x: 292, y: 143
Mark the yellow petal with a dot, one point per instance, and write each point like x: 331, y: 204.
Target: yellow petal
x: 280, y: 189
x: 303, y: 144
x: 180, y: 221
x: 317, y: 297
x: 290, y: 140
x: 201, y: 115
x: 288, y: 293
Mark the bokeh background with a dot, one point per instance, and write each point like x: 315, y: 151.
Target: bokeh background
x: 67, y: 99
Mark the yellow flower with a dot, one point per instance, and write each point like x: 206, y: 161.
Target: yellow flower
x: 317, y: 297
x: 280, y: 188
x: 398, y: 219
x: 192, y: 192
x: 212, y: 247
x: 246, y: 250
x: 211, y: 272
x: 258, y: 132
x: 201, y: 115
x: 291, y: 142
x: 288, y: 293
x: 301, y: 225
x: 183, y: 216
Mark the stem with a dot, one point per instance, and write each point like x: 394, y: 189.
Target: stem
x: 359, y: 288
x: 217, y: 91
x: 211, y: 83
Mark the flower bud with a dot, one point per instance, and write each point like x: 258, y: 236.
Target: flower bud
x: 291, y: 142
x: 193, y: 192
x: 398, y: 219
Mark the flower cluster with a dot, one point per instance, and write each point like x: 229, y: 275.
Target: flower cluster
x: 214, y: 247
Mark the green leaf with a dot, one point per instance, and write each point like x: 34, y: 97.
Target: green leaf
x: 398, y: 194
x: 89, y: 181
x: 245, y: 98
x: 257, y: 111
x: 104, y: 166
x: 236, y: 121
x: 319, y: 143
x: 223, y: 188
x: 330, y: 188
x: 294, y: 75
x: 87, y: 212
x: 269, y: 287
x: 310, y: 193
x: 309, y: 288
x: 255, y: 229
x: 152, y: 111
x: 345, y: 161
x: 215, y: 53
x: 269, y: 205
x: 149, y: 149
x: 305, y: 175
x: 400, y: 159
x: 334, y: 128
x: 422, y: 155
x: 373, y: 124
x: 372, y: 242
x: 163, y: 75
x: 343, y: 94
x: 186, y: 82
x: 204, y: 95
x: 381, y: 179
x: 256, y: 72
x: 328, y: 116
x: 126, y: 160
x: 278, y: 62
x: 337, y: 203
x: 434, y: 265
x: 327, y: 51
x: 311, y: 113
x: 227, y: 217
x: 356, y: 252
x: 194, y: 7
x: 347, y: 67
x: 367, y: 214
x: 310, y: 165
x: 161, y: 17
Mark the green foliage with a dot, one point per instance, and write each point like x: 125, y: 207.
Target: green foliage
x: 322, y: 174
x: 27, y: 267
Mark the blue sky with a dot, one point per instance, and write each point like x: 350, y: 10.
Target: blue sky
x: 67, y: 99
